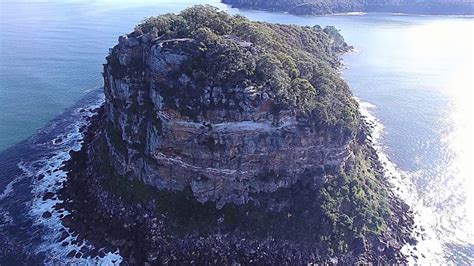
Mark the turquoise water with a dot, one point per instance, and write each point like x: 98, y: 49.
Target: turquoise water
x: 53, y: 51
x: 412, y: 74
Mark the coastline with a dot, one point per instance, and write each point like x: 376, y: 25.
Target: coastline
x: 395, y: 10
x: 87, y: 222
x: 119, y: 214
x: 421, y: 157
x: 30, y: 225
x: 111, y: 224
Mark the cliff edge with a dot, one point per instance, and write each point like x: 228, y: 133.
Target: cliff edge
x: 223, y: 140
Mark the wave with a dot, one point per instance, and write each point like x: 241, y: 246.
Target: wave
x: 64, y: 135
x: 7, y: 191
x: 429, y: 249
x: 54, y: 143
x: 52, y: 181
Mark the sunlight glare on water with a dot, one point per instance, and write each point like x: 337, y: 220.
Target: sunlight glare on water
x: 415, y: 72
x: 435, y: 42
x: 450, y: 192
x: 460, y: 90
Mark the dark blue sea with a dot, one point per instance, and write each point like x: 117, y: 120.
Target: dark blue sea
x: 413, y: 76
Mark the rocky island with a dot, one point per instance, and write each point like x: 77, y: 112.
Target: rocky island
x: 223, y: 140
x: 323, y: 7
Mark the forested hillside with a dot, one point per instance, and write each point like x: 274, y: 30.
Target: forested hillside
x: 321, y: 7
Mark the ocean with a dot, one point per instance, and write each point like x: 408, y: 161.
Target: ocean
x: 413, y: 76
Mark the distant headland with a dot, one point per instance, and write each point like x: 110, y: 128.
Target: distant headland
x: 324, y: 7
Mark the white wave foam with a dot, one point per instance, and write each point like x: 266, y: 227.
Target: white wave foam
x: 9, y: 187
x: 356, y: 13
x: 349, y: 14
x: 5, y: 218
x: 429, y: 248
x: 52, y: 181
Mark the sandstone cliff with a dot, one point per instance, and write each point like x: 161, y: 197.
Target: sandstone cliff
x: 226, y: 143
x: 220, y: 137
x: 169, y: 129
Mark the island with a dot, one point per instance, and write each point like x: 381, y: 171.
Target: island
x: 223, y: 140
x: 324, y: 7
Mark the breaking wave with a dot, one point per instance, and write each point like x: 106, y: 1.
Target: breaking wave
x: 42, y: 173
x: 430, y: 249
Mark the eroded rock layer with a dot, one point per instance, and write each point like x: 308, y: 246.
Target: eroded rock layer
x: 227, y: 143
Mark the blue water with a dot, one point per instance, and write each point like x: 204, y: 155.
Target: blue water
x: 412, y: 74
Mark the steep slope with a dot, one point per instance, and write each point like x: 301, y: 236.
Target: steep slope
x: 210, y: 109
x: 221, y: 137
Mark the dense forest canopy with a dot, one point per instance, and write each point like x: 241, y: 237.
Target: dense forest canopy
x: 296, y: 65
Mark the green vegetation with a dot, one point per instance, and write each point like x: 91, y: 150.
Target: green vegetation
x: 296, y: 64
x: 352, y: 204
x: 321, y: 7
x: 115, y: 137
x: 302, y: 7
x: 355, y: 202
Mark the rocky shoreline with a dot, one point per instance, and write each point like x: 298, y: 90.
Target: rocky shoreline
x: 228, y: 141
x: 109, y: 222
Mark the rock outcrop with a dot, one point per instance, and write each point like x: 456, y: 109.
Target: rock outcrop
x: 224, y: 141
x: 226, y: 144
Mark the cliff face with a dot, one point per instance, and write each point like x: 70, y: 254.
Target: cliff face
x: 226, y: 142
x: 321, y: 7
